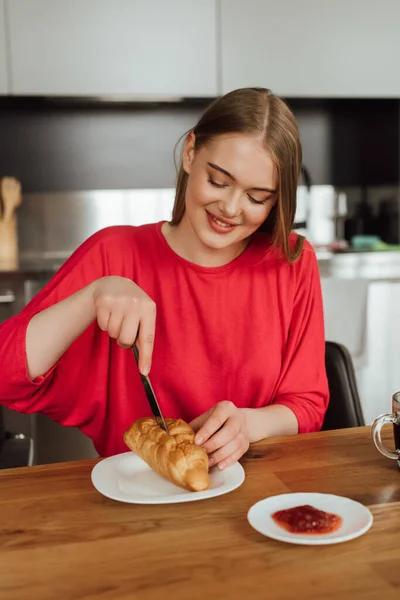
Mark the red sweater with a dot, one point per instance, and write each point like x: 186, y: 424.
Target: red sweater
x: 250, y: 331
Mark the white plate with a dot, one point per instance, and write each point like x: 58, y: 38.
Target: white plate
x: 127, y: 478
x: 357, y: 519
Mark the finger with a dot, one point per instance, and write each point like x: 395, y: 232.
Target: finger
x: 217, y: 418
x: 228, y: 432
x: 115, y: 324
x: 103, y: 317
x: 231, y: 459
x: 236, y: 447
x: 128, y: 331
x: 145, y: 341
x: 224, y: 452
x: 199, y: 421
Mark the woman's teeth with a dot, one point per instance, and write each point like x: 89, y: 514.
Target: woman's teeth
x: 221, y: 223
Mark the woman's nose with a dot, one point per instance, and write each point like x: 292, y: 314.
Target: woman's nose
x: 231, y: 205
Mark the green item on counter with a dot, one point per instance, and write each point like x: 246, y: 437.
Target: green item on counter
x: 372, y: 243
x: 365, y: 242
x: 383, y: 247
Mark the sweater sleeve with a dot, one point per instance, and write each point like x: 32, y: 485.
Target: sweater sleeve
x: 303, y: 385
x: 59, y: 392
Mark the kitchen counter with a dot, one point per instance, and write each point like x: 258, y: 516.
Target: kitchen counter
x: 344, y: 265
x: 61, y: 539
x: 37, y: 269
x: 382, y: 265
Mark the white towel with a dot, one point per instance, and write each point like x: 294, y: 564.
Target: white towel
x: 381, y: 377
x: 345, y: 314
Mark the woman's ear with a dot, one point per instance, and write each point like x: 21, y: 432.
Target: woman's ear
x: 188, y: 152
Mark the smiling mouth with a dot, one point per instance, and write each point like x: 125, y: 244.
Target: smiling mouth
x: 222, y: 222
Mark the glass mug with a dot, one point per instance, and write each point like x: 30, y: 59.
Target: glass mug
x: 382, y: 420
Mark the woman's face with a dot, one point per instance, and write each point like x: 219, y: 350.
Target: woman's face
x: 232, y: 187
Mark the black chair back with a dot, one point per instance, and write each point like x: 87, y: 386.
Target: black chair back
x: 16, y: 450
x: 344, y: 408
x: 2, y: 427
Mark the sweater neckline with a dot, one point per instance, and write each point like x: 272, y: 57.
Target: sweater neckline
x: 242, y: 257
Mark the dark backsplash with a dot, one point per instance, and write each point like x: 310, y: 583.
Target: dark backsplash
x: 361, y: 144
x: 67, y: 145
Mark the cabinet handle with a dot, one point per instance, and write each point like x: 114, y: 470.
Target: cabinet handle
x: 7, y: 298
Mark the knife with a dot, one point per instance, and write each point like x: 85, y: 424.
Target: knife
x: 151, y: 397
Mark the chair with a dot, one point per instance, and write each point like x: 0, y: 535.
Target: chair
x: 16, y: 449
x: 344, y: 408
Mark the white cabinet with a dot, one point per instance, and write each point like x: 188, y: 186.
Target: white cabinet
x: 371, y: 310
x: 332, y: 48
x: 3, y: 59
x: 146, y: 48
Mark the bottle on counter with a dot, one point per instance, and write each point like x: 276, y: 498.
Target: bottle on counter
x: 388, y: 221
x: 362, y: 222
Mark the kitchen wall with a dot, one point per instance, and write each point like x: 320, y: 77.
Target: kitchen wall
x: 54, y: 145
x: 64, y: 145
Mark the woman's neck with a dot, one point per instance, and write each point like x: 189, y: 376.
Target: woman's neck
x: 183, y: 241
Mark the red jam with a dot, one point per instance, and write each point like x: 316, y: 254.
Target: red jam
x: 307, y: 519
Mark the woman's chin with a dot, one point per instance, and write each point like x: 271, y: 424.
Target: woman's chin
x: 215, y: 242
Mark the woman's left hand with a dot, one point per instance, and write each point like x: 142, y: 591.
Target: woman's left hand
x: 223, y: 433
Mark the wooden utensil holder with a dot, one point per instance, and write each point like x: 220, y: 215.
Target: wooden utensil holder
x: 9, y: 245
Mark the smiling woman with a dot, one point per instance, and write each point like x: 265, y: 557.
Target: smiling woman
x: 250, y: 139
x: 223, y: 208
x: 237, y: 346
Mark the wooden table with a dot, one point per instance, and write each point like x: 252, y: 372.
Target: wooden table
x: 60, y: 539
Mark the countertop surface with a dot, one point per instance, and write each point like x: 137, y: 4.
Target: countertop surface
x: 61, y: 539
x: 349, y: 264
x: 36, y: 269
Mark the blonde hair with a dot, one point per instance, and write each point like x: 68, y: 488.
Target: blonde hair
x: 259, y: 112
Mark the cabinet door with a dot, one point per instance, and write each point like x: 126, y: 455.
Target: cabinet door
x: 334, y: 48
x: 113, y: 47
x: 3, y: 59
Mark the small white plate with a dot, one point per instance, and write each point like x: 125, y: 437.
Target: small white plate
x: 127, y: 478
x: 357, y: 519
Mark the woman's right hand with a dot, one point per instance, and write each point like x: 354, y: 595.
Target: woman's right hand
x: 128, y: 314
x: 120, y: 307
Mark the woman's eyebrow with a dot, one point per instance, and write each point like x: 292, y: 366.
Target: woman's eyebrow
x: 221, y: 170
x: 225, y: 172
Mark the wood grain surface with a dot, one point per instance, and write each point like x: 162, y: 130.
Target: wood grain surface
x: 60, y: 539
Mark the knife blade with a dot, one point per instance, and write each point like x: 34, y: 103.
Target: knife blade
x: 151, y: 397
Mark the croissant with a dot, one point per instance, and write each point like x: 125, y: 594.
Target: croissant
x: 173, y: 455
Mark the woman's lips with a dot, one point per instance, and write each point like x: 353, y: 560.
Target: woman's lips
x: 219, y: 225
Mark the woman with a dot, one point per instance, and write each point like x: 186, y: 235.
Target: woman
x: 237, y: 347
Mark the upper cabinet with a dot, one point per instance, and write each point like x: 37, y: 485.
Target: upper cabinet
x: 337, y: 48
x: 3, y: 59
x: 113, y: 47
x: 154, y: 49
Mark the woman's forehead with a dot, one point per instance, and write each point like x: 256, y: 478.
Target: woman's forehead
x: 243, y: 156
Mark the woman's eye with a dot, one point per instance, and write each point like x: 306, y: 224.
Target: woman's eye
x: 256, y: 201
x: 215, y: 184
x: 224, y: 185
